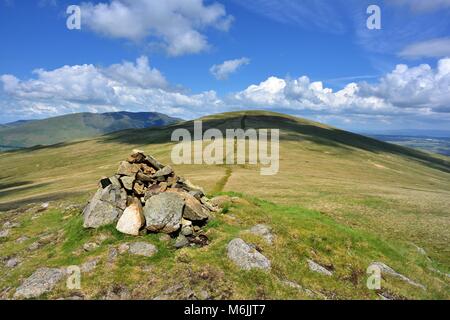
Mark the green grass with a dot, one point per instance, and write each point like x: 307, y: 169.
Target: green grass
x: 339, y: 199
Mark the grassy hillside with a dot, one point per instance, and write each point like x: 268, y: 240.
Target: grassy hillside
x: 340, y: 199
x: 74, y: 127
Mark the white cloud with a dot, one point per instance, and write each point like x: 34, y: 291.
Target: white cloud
x: 418, y: 90
x: 434, y: 48
x: 178, y: 25
x: 224, y: 70
x: 127, y: 86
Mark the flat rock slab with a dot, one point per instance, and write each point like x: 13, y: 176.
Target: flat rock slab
x: 315, y: 267
x: 245, y: 256
x: 41, y: 281
x: 163, y: 212
x: 389, y: 271
x: 142, y: 249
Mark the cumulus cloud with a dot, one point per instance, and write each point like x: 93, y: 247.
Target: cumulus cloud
x: 434, y: 48
x: 224, y: 70
x: 418, y: 90
x: 126, y: 86
x: 177, y: 25
x: 421, y: 92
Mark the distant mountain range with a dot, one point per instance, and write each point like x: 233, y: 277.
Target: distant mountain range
x: 29, y: 133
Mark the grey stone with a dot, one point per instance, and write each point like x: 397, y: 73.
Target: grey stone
x: 154, y: 163
x: 167, y: 170
x: 90, y: 246
x: 12, y: 263
x: 115, y: 181
x: 90, y: 265
x: 245, y: 256
x: 123, y: 248
x: 193, y: 210
x: 389, y: 271
x: 4, y: 233
x: 10, y: 225
x: 105, y: 207
x: 143, y: 249
x: 22, y: 239
x: 112, y: 254
x: 163, y: 212
x: 181, y: 242
x: 34, y: 246
x: 127, y: 182
x: 187, y: 230
x: 263, y: 231
x: 315, y: 267
x: 41, y: 281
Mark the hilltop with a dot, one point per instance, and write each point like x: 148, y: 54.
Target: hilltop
x: 340, y: 200
x: 29, y: 133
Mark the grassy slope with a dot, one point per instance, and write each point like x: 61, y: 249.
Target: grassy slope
x: 75, y: 126
x: 340, y: 199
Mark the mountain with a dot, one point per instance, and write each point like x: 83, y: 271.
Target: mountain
x: 340, y: 199
x: 29, y: 133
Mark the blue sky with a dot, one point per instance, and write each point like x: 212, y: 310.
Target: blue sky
x: 189, y: 58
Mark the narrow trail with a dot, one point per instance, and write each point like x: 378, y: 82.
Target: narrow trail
x: 220, y: 185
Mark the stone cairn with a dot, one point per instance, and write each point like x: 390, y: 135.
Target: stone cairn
x: 147, y: 196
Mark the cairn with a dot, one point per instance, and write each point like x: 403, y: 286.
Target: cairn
x: 147, y: 196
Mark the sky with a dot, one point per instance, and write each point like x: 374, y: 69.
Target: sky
x: 188, y: 58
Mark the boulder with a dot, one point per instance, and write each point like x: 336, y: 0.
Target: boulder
x: 105, y: 207
x: 41, y: 281
x: 193, y: 209
x: 132, y: 219
x: 142, y: 249
x: 163, y: 212
x: 245, y: 256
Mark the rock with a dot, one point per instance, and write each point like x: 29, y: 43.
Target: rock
x: 196, y: 194
x: 115, y: 181
x: 90, y: 246
x: 34, y: 246
x: 4, y: 233
x: 220, y: 201
x: 189, y: 186
x: 90, y: 265
x: 163, y: 212
x: 193, y: 209
x: 123, y: 248
x: 298, y: 287
x: 112, y: 254
x: 41, y: 281
x: 181, y: 242
x: 164, y: 237
x: 127, y: 182
x: 137, y: 157
x: 127, y: 169
x: 167, y: 170
x: 105, y: 207
x: 45, y: 205
x: 10, y: 225
x: 389, y: 271
x: 132, y: 219
x: 263, y: 231
x: 187, y: 230
x: 154, y: 163
x: 22, y: 239
x: 143, y: 249
x: 139, y: 189
x: 318, y: 268
x: 245, y: 256
x: 12, y: 263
